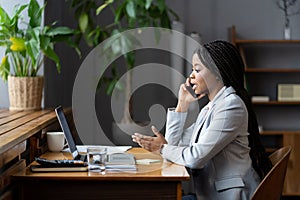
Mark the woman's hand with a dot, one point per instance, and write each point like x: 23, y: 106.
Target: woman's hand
x: 150, y: 143
x: 185, y: 98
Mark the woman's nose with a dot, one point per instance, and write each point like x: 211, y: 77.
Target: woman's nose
x: 192, y: 76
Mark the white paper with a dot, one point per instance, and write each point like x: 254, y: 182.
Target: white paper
x: 146, y: 161
x: 110, y: 149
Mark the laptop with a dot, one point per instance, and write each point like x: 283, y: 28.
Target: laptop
x: 68, y: 135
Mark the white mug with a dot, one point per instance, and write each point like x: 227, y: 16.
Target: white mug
x: 56, y: 141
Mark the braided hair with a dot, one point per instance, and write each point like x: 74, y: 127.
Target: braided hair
x: 229, y: 65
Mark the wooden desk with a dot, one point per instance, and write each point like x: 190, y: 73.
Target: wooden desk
x: 155, y: 181
x: 20, y: 139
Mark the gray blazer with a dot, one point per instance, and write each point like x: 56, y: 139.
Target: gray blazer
x: 219, y: 158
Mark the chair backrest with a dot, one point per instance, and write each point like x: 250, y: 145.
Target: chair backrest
x: 271, y: 186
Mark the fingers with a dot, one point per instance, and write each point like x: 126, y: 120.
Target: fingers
x: 188, y: 81
x: 137, y: 138
x: 183, y: 87
x: 147, y: 142
x: 141, y: 139
x: 137, y: 135
x: 150, y: 143
x: 155, y: 131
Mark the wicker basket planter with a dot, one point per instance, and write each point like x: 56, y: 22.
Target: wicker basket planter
x: 25, y: 93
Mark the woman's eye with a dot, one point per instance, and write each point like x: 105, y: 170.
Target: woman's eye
x: 197, y: 70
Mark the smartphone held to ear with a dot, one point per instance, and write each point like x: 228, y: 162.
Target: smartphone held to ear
x: 191, y: 91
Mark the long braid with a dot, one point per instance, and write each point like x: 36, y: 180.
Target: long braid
x: 231, y: 69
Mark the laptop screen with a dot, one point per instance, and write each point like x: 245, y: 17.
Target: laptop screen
x: 66, y: 129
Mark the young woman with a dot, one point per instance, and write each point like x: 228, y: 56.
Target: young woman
x: 222, y: 149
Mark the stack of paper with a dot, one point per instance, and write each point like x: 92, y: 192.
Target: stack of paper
x: 110, y: 149
x: 120, y: 162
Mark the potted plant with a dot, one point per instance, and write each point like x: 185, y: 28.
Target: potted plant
x: 25, y: 49
x: 127, y: 14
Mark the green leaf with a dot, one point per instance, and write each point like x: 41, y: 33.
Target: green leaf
x: 19, y: 10
x: 4, y: 36
x: 161, y: 5
x: 114, y: 71
x: 119, y: 86
x: 116, y: 46
x: 83, y: 22
x: 165, y: 20
x: 125, y: 44
x: 115, y: 41
x: 111, y: 86
x: 108, y: 43
x: 130, y: 9
x: 154, y: 12
x: 157, y: 35
x: 3, y: 41
x: 4, y: 18
x: 49, y: 52
x: 130, y: 59
x: 72, y: 44
x: 35, y: 33
x: 100, y: 8
x: 120, y: 12
x: 45, y: 41
x: 62, y: 30
x: 33, y: 50
x: 148, y: 4
x: 4, y: 68
x: 95, y: 36
x: 34, y: 13
x: 13, y: 26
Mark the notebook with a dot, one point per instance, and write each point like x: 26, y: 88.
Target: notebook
x: 68, y: 135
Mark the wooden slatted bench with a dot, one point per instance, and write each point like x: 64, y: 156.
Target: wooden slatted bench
x: 22, y: 138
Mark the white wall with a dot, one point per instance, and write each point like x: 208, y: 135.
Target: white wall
x: 9, y: 5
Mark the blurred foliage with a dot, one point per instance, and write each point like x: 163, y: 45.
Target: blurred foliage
x: 126, y: 14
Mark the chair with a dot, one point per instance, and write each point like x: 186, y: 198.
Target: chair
x: 271, y: 186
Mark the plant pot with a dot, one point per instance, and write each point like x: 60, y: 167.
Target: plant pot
x: 287, y: 33
x: 25, y: 93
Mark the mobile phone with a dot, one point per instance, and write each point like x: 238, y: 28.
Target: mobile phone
x: 191, y: 91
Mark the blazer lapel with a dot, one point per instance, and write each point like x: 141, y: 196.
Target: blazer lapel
x: 206, y: 111
x: 199, y: 123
